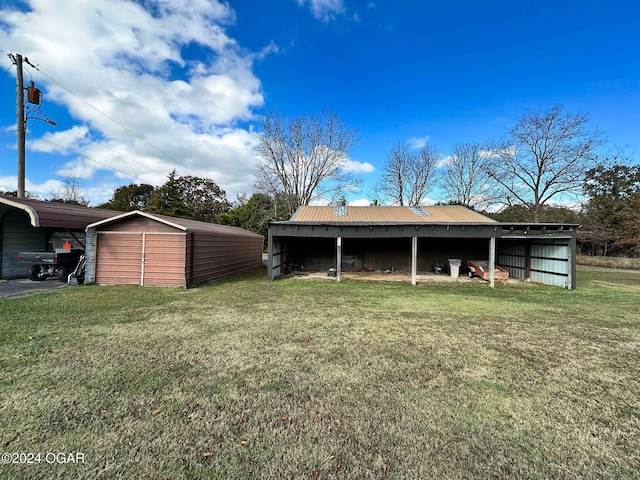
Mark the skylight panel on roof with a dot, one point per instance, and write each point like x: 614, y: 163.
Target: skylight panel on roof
x: 340, y: 211
x: 420, y: 212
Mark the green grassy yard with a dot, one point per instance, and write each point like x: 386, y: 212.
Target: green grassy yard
x: 315, y: 379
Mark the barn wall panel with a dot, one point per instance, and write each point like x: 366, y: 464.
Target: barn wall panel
x: 164, y: 260
x: 218, y: 255
x: 309, y: 253
x: 382, y: 254
x: 512, y: 257
x: 377, y: 254
x: 18, y: 235
x: 438, y: 251
x: 118, y: 258
x: 550, y: 262
x: 138, y: 224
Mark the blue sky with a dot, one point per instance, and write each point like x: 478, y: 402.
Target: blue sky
x: 140, y: 88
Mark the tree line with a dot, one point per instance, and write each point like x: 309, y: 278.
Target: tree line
x: 546, y: 159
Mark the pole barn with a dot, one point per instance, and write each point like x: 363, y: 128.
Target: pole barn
x: 419, y: 240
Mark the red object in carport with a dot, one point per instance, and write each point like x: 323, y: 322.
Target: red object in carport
x: 480, y: 268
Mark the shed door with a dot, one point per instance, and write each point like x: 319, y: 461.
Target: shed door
x: 148, y: 258
x: 119, y: 258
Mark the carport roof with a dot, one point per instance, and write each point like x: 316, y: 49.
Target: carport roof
x: 180, y: 224
x: 54, y: 214
x: 387, y: 215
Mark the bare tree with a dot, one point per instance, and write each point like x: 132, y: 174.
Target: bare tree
x: 467, y: 181
x: 545, y: 156
x: 72, y: 192
x: 304, y: 159
x: 408, y: 176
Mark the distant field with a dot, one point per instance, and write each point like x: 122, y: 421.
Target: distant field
x: 316, y: 379
x: 610, y: 262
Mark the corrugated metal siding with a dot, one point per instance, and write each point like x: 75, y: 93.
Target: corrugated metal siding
x: 277, y: 259
x: 172, y: 256
x: 512, y: 257
x: 18, y: 235
x: 440, y: 250
x: 164, y: 260
x: 310, y: 253
x: 382, y: 254
x: 138, y: 224
x: 216, y: 256
x: 118, y: 258
x: 550, y: 262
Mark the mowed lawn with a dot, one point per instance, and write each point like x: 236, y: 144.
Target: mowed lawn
x: 243, y: 378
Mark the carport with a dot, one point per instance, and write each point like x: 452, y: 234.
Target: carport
x: 31, y: 225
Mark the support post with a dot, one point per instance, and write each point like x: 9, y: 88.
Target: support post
x: 492, y: 262
x: 339, y: 258
x: 571, y: 281
x: 270, y: 256
x: 527, y: 260
x: 414, y: 259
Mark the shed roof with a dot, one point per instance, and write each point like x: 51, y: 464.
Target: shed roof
x: 387, y: 215
x: 54, y: 214
x: 180, y: 224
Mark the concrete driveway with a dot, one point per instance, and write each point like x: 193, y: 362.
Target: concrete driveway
x: 24, y: 287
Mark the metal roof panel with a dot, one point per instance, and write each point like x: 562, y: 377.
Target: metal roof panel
x: 388, y: 215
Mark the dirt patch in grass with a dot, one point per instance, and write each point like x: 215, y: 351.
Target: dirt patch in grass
x: 244, y: 378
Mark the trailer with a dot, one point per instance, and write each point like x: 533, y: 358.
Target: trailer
x: 480, y: 268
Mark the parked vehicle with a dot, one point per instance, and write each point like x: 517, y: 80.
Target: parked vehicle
x: 62, y: 258
x: 59, y: 263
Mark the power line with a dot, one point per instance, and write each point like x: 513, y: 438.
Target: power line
x: 135, y: 177
x: 6, y: 72
x: 124, y: 127
x: 80, y: 134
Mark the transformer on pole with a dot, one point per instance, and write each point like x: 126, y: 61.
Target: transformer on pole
x: 34, y: 96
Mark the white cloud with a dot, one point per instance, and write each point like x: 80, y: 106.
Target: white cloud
x: 116, y: 63
x: 509, y: 151
x: 418, y: 142
x: 360, y: 202
x: 353, y: 166
x: 445, y: 161
x: 43, y: 190
x: 324, y: 10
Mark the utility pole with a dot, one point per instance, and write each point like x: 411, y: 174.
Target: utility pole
x: 20, y: 123
x: 21, y: 119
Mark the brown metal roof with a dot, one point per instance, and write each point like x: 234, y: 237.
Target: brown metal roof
x: 388, y: 215
x: 54, y: 214
x: 180, y: 224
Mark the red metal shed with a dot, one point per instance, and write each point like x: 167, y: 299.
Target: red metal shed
x: 138, y: 248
